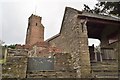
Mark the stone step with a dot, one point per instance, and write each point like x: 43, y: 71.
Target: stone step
x: 52, y: 74
x: 106, y: 75
x: 105, y: 68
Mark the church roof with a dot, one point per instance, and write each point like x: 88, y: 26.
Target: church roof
x: 91, y: 16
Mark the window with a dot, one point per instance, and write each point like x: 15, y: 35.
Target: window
x: 29, y: 24
x: 36, y: 24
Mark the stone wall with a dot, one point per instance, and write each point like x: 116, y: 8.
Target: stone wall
x: 73, y: 39
x: 15, y: 67
x: 119, y: 56
x: 62, y: 62
x: 17, y: 52
x: 62, y: 68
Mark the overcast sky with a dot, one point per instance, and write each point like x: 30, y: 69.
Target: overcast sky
x: 14, y: 16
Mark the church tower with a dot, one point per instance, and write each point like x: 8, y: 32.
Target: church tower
x: 35, y: 30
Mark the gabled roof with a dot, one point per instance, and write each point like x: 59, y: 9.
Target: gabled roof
x: 100, y: 16
x: 87, y: 15
x: 52, y: 37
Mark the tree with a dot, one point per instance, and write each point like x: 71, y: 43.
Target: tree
x: 104, y: 8
x: 12, y: 46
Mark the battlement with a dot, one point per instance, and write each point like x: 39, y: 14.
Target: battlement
x: 35, y: 16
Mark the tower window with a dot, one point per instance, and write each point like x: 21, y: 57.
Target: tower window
x: 28, y: 24
x: 36, y: 24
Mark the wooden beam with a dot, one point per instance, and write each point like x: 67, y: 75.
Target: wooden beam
x: 106, y: 22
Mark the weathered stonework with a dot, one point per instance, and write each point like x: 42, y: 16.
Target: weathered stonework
x: 73, y: 39
x: 67, y: 54
x: 62, y: 62
x: 15, y: 67
x: 35, y: 30
x: 76, y: 28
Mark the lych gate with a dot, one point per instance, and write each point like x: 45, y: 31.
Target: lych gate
x: 107, y: 31
x: 104, y: 58
x: 76, y: 28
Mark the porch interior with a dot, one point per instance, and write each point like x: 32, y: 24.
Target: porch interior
x: 103, y: 58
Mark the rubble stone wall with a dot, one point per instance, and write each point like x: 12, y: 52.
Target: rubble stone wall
x: 62, y: 62
x: 15, y: 67
x: 73, y: 39
x: 62, y: 68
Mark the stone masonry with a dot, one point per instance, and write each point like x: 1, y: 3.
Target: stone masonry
x: 35, y: 30
x: 67, y: 54
x: 73, y: 39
